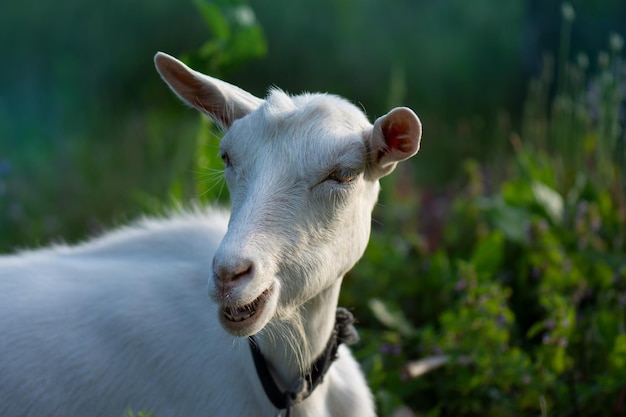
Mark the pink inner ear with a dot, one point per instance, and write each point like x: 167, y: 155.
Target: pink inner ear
x: 397, y: 136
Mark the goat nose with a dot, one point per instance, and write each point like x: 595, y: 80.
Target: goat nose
x: 230, y: 273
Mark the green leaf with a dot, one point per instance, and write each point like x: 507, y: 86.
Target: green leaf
x: 607, y: 326
x: 391, y: 316
x: 617, y: 358
x: 238, y: 36
x: 248, y: 43
x: 488, y: 254
x: 550, y: 200
x: 214, y: 18
x: 510, y: 220
x: 518, y: 193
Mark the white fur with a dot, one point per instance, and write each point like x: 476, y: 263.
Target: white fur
x: 123, y: 321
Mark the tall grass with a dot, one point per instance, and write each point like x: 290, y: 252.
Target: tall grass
x: 578, y: 122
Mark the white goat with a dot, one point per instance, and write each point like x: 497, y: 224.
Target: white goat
x: 122, y: 321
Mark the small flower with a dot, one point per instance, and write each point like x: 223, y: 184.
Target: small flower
x: 535, y: 272
x: 460, y: 285
x: 389, y: 349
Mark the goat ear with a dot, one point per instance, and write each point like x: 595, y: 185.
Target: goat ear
x: 395, y: 137
x: 222, y: 101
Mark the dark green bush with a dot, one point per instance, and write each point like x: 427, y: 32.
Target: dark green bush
x: 518, y: 282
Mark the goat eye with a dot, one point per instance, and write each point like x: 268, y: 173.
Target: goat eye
x: 342, y: 176
x: 225, y: 159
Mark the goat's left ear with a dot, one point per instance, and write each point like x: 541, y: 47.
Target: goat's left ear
x: 394, y: 138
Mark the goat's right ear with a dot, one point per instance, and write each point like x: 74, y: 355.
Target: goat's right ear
x: 221, y: 101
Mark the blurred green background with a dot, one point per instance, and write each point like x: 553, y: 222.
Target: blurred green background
x: 79, y: 95
x: 500, y: 247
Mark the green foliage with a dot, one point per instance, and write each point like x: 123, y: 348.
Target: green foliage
x: 523, y: 288
x: 210, y: 185
x: 237, y: 36
x: 531, y: 313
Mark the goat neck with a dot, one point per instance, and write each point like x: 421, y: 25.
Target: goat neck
x: 291, y: 346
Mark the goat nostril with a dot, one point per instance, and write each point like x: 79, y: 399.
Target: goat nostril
x: 226, y: 274
x: 247, y: 271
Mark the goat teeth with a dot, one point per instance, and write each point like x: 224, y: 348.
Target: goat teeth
x: 237, y: 314
x: 240, y: 315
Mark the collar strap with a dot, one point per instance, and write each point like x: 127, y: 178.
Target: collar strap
x: 344, y: 332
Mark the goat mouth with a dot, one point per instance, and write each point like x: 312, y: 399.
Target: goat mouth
x: 239, y: 314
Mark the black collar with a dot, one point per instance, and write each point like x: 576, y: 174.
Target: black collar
x: 344, y: 332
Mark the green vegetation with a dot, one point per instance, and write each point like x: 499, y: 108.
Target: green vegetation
x: 511, y: 271
x: 521, y: 284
